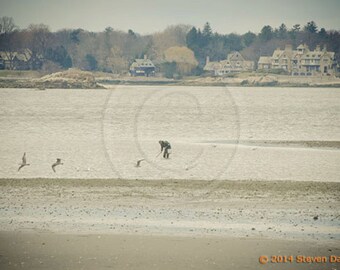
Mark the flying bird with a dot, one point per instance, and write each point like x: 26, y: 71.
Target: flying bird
x: 23, y: 163
x: 58, y: 162
x: 138, y: 162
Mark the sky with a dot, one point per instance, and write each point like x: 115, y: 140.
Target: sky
x: 150, y: 16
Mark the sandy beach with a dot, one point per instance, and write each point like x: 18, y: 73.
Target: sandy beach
x: 216, y: 133
x: 254, y: 171
x: 126, y: 224
x: 55, y: 251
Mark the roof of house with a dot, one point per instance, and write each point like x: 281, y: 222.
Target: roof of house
x: 24, y: 55
x: 210, y: 66
x: 141, y: 63
x: 235, y: 56
x: 229, y: 62
x: 277, y: 53
x: 302, y: 46
x: 265, y: 60
x: 7, y: 55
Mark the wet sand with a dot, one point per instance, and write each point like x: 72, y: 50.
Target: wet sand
x: 283, y: 209
x: 69, y: 251
x: 141, y: 224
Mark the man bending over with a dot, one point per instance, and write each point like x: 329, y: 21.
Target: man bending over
x: 165, y: 145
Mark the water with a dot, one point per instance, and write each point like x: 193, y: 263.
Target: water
x: 102, y: 133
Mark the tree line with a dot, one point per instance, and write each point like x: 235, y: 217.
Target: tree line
x: 179, y: 49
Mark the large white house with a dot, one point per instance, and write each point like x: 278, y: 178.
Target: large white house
x: 235, y: 62
x: 301, y: 61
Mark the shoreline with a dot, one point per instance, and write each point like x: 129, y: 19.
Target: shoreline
x: 78, y: 79
x: 60, y: 251
x: 106, y: 85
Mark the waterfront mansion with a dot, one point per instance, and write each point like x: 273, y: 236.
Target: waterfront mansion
x: 301, y: 61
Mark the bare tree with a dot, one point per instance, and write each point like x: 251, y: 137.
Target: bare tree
x: 7, y: 25
x: 174, y: 35
x: 10, y: 42
x: 40, y: 38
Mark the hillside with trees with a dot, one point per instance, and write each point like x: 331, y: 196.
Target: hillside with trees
x: 179, y: 49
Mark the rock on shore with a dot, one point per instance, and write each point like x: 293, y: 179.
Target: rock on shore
x: 72, y: 78
x: 260, y: 81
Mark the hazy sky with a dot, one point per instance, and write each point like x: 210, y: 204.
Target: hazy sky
x: 148, y: 16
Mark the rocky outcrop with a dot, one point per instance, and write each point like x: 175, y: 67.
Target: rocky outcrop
x: 72, y: 78
x: 260, y: 81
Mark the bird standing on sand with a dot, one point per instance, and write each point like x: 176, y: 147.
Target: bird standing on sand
x: 138, y: 162
x: 23, y: 163
x: 58, y: 162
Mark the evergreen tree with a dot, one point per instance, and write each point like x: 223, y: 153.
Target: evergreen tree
x: 191, y: 38
x: 311, y: 27
x: 207, y: 31
x: 266, y: 33
x: 248, y: 38
x: 169, y: 69
x: 60, y: 56
x: 75, y: 35
x: 282, y: 32
x: 296, y: 28
x: 293, y: 32
x: 322, y: 33
x: 108, y: 29
x: 91, y: 61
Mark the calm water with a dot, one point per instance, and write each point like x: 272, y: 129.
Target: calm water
x: 102, y: 133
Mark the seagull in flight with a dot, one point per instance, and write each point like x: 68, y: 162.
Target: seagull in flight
x: 23, y: 163
x: 138, y: 162
x: 58, y: 162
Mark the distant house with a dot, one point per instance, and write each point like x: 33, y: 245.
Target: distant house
x: 265, y: 62
x: 301, y: 61
x: 235, y: 62
x: 22, y: 60
x: 6, y: 60
x: 142, y: 67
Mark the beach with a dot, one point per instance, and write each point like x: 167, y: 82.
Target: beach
x: 253, y: 172
x: 216, y: 133
x: 51, y: 251
x: 139, y: 224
